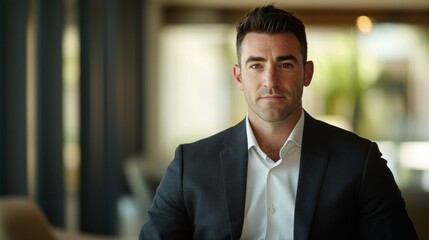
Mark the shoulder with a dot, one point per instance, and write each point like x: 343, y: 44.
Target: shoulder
x: 328, y: 133
x: 342, y: 145
x: 218, y: 140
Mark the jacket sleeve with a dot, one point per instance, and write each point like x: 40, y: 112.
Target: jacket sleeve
x: 382, y: 208
x: 167, y: 215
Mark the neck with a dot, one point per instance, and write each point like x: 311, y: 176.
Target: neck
x: 272, y: 135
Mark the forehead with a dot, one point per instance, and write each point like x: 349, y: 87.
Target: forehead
x: 278, y: 44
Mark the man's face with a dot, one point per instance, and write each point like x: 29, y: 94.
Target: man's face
x: 272, y: 75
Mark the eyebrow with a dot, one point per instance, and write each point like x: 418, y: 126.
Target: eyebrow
x: 279, y: 59
x: 255, y: 59
x: 287, y: 57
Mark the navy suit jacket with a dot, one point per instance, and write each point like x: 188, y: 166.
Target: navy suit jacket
x: 345, y: 190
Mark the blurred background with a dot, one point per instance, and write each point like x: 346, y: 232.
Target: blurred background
x: 96, y: 94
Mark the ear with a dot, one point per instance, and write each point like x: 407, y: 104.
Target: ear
x: 237, y: 76
x: 308, y: 72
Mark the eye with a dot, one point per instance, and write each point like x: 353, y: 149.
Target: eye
x: 255, y: 66
x: 286, y: 65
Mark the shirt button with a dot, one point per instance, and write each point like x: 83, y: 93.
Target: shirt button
x: 272, y: 210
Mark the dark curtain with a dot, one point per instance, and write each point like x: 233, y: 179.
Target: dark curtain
x: 111, y: 120
x: 50, y: 169
x: 13, y: 154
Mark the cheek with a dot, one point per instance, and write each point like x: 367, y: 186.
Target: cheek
x: 250, y: 92
x: 248, y: 82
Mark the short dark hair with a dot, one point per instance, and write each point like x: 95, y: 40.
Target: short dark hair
x: 269, y: 19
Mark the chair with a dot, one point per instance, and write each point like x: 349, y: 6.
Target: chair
x: 138, y: 184
x: 21, y: 219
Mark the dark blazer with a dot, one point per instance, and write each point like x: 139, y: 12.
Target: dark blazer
x: 345, y: 190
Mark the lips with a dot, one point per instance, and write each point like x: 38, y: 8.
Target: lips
x: 274, y: 97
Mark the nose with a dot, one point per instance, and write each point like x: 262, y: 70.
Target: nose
x: 270, y: 77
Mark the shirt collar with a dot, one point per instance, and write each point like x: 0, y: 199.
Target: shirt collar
x: 295, y: 136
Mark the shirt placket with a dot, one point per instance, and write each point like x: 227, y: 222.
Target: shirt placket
x: 271, y: 207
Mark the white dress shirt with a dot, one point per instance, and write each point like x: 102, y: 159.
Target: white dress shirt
x: 271, y: 188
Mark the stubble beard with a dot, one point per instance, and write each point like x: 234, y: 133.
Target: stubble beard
x: 273, y: 113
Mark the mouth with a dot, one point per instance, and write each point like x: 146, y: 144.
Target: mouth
x: 272, y: 97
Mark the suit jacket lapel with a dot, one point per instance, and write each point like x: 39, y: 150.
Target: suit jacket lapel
x: 233, y: 159
x: 314, y: 159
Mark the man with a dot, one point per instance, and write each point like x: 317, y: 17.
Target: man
x: 279, y: 174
